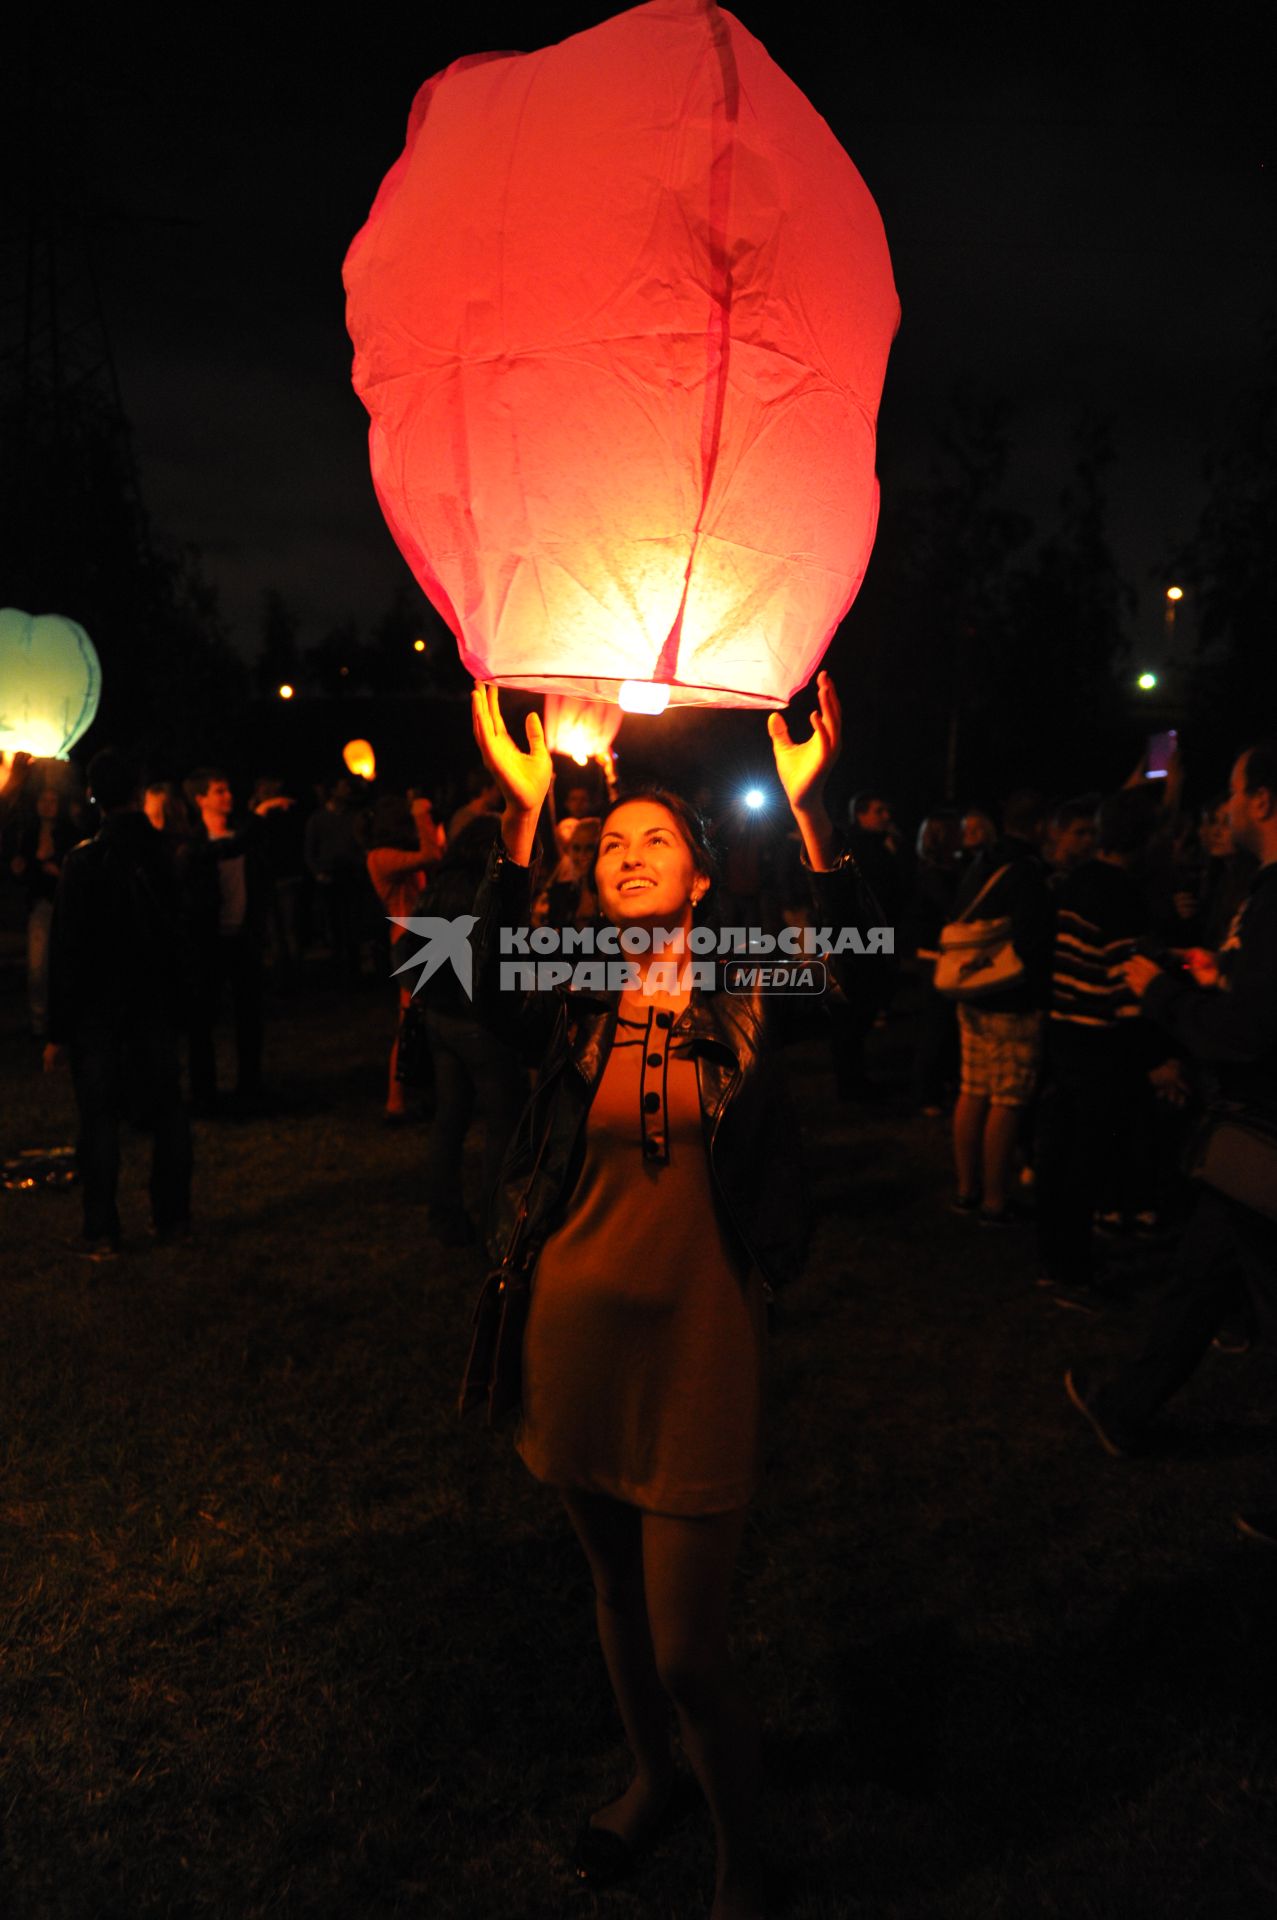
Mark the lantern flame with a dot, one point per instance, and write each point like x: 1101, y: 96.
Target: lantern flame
x: 360, y: 759
x: 581, y: 730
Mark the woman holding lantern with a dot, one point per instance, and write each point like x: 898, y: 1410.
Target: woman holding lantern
x: 652, y: 1182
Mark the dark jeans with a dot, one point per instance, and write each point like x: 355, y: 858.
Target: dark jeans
x: 237, y: 958
x: 131, y: 1073
x: 476, y: 1076
x: 1093, y: 1129
x: 1228, y: 1256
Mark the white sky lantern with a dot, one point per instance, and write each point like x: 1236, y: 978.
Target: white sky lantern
x: 50, y: 683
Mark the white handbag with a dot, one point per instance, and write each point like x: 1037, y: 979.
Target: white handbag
x: 977, y: 958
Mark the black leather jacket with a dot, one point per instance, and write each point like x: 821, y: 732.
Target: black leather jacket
x: 750, y: 1133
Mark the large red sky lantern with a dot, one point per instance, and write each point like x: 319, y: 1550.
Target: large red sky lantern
x: 621, y: 315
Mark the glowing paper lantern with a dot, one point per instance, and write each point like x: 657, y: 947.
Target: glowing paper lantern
x: 360, y: 759
x: 582, y: 729
x: 621, y: 315
x: 50, y: 683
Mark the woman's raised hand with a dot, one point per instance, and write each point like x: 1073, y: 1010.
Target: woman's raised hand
x: 802, y: 769
x: 524, y: 778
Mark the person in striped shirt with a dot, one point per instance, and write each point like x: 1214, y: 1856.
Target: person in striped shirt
x: 1093, y: 1118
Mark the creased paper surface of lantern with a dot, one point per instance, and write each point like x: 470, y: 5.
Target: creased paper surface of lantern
x: 50, y: 683
x: 621, y: 315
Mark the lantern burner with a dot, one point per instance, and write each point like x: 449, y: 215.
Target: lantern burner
x: 643, y: 696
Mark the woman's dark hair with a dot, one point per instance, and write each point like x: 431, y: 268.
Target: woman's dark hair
x: 939, y: 836
x: 1126, y: 821
x: 690, y: 823
x: 393, y: 824
x: 1261, y: 767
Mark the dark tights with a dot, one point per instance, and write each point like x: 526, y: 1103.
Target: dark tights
x: 661, y: 1588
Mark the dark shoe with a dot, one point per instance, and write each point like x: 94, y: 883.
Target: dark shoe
x: 1231, y: 1340
x: 600, y: 1858
x: 1085, y: 1395
x: 1000, y: 1217
x: 1257, y: 1526
x: 965, y: 1203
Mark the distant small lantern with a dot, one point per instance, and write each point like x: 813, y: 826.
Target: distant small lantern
x: 50, y: 683
x: 360, y: 759
x: 583, y: 730
x: 621, y: 315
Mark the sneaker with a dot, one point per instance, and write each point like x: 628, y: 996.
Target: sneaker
x: 1257, y: 1526
x: 1231, y: 1340
x: 965, y: 1203
x: 1084, y: 1394
x: 999, y: 1217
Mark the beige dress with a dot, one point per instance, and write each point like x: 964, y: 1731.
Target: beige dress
x: 643, y: 1356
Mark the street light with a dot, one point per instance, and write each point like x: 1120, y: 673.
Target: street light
x: 1146, y: 682
x: 1173, y: 597
x: 286, y: 692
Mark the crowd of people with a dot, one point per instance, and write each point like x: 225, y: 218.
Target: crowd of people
x: 1072, y: 1102
x: 1092, y: 1005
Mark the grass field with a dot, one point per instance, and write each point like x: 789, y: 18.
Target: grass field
x: 282, y: 1638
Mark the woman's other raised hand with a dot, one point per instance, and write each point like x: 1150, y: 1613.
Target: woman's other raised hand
x: 803, y: 767
x: 523, y: 777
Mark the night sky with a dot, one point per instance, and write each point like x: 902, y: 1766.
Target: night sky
x: 1080, y: 215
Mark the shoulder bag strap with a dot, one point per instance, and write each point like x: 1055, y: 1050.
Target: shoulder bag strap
x: 973, y: 904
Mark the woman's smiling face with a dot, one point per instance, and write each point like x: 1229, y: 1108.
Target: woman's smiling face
x: 645, y: 870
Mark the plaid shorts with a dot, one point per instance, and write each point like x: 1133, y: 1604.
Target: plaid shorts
x: 1000, y: 1055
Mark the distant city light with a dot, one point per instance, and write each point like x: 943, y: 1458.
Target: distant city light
x: 755, y: 798
x: 286, y: 692
x: 1146, y: 682
x: 418, y: 646
x: 1174, y: 593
